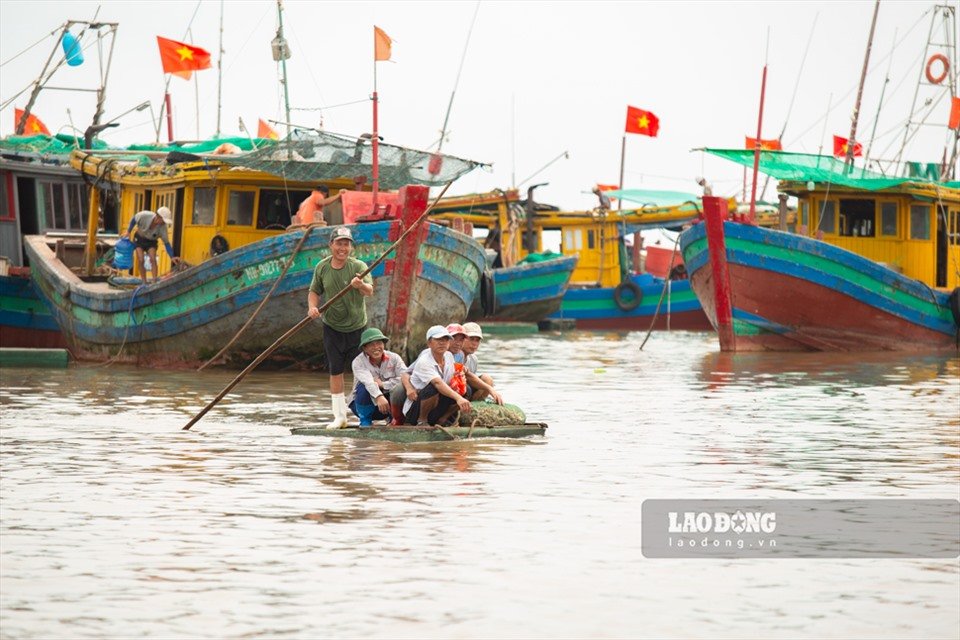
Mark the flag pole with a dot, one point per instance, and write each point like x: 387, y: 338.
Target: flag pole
x: 756, y: 147
x: 623, y: 156
x: 376, y: 136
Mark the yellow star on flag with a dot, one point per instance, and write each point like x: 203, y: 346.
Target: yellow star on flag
x: 643, y: 122
x: 185, y: 53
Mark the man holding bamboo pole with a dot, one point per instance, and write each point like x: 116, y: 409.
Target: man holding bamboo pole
x: 345, y: 319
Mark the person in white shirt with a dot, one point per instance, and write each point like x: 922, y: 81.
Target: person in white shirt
x: 376, y: 372
x: 429, y: 396
x: 480, y: 385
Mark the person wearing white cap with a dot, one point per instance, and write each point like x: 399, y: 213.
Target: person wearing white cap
x: 429, y: 396
x: 483, y: 384
x: 344, y: 320
x: 151, y: 227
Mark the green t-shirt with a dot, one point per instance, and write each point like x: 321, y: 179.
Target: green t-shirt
x: 349, y: 313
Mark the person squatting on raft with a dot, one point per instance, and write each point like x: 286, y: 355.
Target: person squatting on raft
x: 429, y: 396
x: 376, y: 372
x: 344, y: 319
x: 311, y: 209
x: 484, y: 385
x: 150, y: 227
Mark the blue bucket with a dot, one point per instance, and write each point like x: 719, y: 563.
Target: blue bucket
x: 123, y: 253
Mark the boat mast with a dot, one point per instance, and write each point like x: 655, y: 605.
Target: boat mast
x: 852, y: 140
x: 757, y: 144
x: 284, y: 54
x: 220, y: 72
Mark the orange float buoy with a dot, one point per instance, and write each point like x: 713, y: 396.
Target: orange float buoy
x: 945, y: 64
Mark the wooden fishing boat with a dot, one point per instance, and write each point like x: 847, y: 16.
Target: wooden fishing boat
x: 608, y: 289
x: 230, y: 221
x: 875, y: 264
x: 408, y: 435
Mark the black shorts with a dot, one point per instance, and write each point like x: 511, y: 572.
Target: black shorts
x: 144, y: 243
x: 411, y: 416
x: 341, y: 348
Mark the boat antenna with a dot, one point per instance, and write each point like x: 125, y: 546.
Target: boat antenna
x: 281, y: 53
x: 565, y: 154
x: 876, y: 119
x: 852, y: 140
x: 220, y: 72
x: 456, y: 83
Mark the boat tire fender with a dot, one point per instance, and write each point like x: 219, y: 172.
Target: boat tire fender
x: 631, y: 303
x: 955, y: 305
x: 945, y: 68
x: 218, y: 245
x: 488, y: 295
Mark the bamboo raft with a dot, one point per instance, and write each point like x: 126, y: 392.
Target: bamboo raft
x: 426, y: 434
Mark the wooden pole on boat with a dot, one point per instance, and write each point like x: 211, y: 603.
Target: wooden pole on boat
x: 623, y: 157
x: 756, y: 150
x: 307, y: 320
x: 851, y: 142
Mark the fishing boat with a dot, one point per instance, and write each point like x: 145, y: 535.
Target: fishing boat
x: 513, y: 289
x: 407, y: 435
x: 232, y: 223
x: 608, y: 288
x: 874, y: 265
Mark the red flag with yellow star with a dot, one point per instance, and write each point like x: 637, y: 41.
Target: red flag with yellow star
x: 33, y: 125
x: 180, y: 58
x: 642, y: 122
x: 841, y: 146
x: 765, y: 145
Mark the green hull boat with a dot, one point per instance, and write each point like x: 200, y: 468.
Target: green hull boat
x: 426, y: 434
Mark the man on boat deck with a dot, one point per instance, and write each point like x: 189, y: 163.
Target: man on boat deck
x: 483, y: 386
x: 344, y: 319
x: 150, y: 227
x: 311, y: 209
x: 376, y: 372
x: 429, y: 396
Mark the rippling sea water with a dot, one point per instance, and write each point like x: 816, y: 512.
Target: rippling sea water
x: 114, y: 523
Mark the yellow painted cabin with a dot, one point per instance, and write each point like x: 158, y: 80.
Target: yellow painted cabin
x: 913, y: 229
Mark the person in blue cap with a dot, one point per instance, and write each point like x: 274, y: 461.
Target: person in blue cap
x: 376, y: 372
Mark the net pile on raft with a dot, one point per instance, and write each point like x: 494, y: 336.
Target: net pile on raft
x: 316, y: 156
x: 488, y: 414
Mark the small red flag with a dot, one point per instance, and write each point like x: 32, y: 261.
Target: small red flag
x: 32, y: 127
x: 955, y: 114
x: 382, y: 44
x: 607, y: 187
x: 765, y: 145
x: 264, y: 130
x: 642, y: 122
x: 180, y: 58
x: 841, y: 146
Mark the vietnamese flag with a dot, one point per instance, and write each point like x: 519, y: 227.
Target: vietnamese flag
x: 955, y: 114
x: 181, y: 59
x: 264, y: 130
x: 33, y: 125
x: 642, y: 122
x: 382, y: 44
x: 765, y: 145
x: 607, y: 187
x: 841, y: 146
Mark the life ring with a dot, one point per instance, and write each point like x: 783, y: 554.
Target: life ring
x: 946, y: 68
x: 955, y: 306
x: 634, y: 301
x: 218, y: 245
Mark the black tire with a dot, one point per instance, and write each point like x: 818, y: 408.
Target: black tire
x: 634, y: 301
x: 218, y: 245
x: 955, y: 305
x: 488, y: 295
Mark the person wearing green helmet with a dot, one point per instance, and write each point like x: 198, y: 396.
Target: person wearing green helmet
x: 376, y: 372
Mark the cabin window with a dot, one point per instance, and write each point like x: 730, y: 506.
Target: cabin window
x: 204, y: 204
x: 954, y: 227
x: 857, y: 217
x: 76, y: 204
x: 6, y: 197
x: 51, y: 202
x: 920, y: 221
x: 828, y: 217
x: 240, y: 208
x: 138, y: 202
x: 590, y: 239
x: 277, y: 207
x: 888, y: 219
x: 804, y: 213
x: 572, y: 240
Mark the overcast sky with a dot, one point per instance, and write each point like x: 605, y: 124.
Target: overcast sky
x: 539, y: 79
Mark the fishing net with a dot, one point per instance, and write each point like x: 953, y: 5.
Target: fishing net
x: 60, y: 144
x: 317, y: 156
x: 488, y: 414
x: 806, y: 167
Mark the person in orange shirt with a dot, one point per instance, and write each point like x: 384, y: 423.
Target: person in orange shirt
x: 311, y: 209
